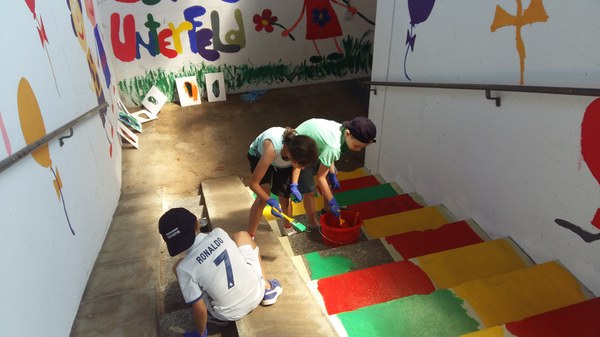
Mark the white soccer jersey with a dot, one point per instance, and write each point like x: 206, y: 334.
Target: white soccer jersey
x: 215, y: 271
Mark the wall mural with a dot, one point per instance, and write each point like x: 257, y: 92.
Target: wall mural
x: 419, y: 12
x: 590, y: 143
x: 43, y: 37
x: 532, y: 14
x: 5, y: 136
x: 201, y: 29
x: 33, y: 128
x: 321, y: 23
x: 79, y: 30
x: 30, y: 114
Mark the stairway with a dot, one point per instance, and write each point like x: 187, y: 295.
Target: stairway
x: 417, y: 271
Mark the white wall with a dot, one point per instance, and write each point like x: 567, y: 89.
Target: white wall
x: 514, y: 169
x: 262, y: 60
x: 45, y: 267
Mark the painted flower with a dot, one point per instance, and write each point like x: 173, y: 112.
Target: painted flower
x: 266, y: 21
x: 321, y: 16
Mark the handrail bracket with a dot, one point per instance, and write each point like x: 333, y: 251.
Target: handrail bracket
x: 488, y: 95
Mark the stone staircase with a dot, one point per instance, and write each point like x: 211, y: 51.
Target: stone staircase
x: 415, y: 270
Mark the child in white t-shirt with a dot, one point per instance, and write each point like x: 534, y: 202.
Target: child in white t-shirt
x: 219, y: 277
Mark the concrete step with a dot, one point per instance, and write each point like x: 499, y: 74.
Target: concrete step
x: 296, y: 312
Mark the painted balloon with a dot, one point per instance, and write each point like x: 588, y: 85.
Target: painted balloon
x: 419, y: 10
x: 32, y: 122
x: 590, y: 138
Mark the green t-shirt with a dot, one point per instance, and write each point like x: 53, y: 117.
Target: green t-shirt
x: 328, y: 136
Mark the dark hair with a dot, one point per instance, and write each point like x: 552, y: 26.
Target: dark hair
x: 302, y: 148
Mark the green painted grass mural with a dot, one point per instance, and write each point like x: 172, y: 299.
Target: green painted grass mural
x: 357, y: 58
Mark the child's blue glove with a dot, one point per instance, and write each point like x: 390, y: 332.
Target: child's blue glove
x: 275, y: 206
x: 334, y: 207
x: 297, y: 196
x: 196, y: 334
x: 333, y: 181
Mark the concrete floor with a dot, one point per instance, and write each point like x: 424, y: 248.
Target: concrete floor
x: 131, y: 287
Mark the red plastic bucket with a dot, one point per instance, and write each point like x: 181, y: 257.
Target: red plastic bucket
x: 333, y: 235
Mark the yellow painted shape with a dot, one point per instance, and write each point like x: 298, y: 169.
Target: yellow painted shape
x: 359, y: 172
x: 32, y: 122
x: 496, y: 331
x: 58, y: 183
x: 297, y: 208
x: 453, y: 267
x: 521, y: 293
x: 532, y: 14
x: 415, y: 220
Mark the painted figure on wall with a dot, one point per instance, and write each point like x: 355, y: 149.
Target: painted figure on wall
x: 79, y: 30
x: 590, y: 143
x: 419, y: 12
x: 33, y: 128
x: 321, y: 23
x: 532, y: 14
x: 43, y: 36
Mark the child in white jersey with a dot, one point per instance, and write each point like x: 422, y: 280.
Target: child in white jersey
x: 272, y: 155
x: 219, y: 277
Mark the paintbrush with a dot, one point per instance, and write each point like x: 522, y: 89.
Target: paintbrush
x: 299, y: 227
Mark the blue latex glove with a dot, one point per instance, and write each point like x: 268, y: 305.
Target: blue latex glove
x: 195, y: 333
x: 297, y: 196
x: 334, y: 207
x: 333, y: 181
x: 275, y: 206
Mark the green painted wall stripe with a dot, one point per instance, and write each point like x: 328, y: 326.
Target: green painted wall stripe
x: 328, y: 266
x: 365, y: 194
x: 439, y: 314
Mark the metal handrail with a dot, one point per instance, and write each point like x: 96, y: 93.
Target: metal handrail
x: 27, y: 150
x: 489, y: 87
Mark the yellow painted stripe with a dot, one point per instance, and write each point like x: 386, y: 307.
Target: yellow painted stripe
x: 521, y: 293
x: 453, y: 267
x: 415, y: 220
x: 297, y: 208
x: 496, y: 331
x: 359, y: 172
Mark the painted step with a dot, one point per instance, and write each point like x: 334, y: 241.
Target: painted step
x: 359, y: 172
x: 421, y: 275
x: 366, y: 253
x: 305, y: 243
x: 579, y: 319
x: 411, y: 220
x: 448, y: 236
x: 368, y: 194
x: 465, y: 308
x: 385, y: 206
x: 421, y: 219
x: 357, y: 179
x: 335, y: 261
x: 346, y: 198
x: 311, y: 242
x: 521, y: 293
x: 358, y: 183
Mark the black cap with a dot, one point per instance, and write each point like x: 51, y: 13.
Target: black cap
x: 362, y: 129
x: 177, y: 227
